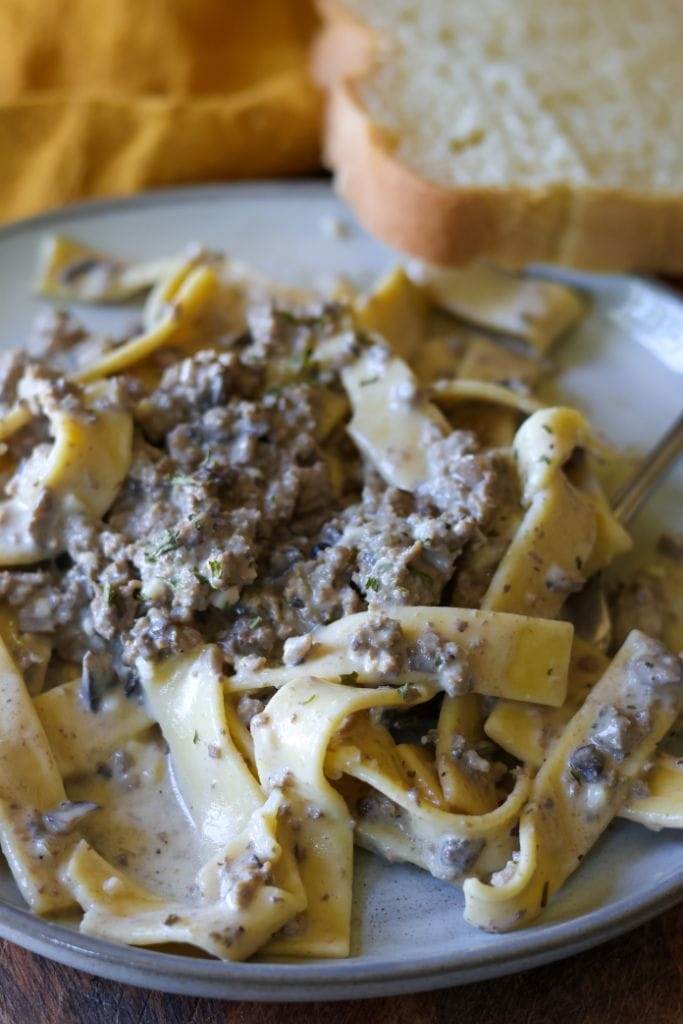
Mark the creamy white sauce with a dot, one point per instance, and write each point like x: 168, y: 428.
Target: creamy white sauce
x: 143, y: 827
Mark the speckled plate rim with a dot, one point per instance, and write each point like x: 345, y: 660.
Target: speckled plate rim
x: 354, y: 978
x: 357, y: 977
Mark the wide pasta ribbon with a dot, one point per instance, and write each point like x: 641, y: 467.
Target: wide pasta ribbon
x: 509, y: 655
x: 71, y: 271
x: 246, y: 893
x: 184, y: 695
x: 171, y: 315
x: 81, y: 470
x: 30, y: 786
x: 528, y: 731
x: 583, y: 782
x: 404, y: 824
x: 567, y: 532
x: 291, y: 739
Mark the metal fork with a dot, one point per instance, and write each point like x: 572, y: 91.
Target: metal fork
x: 588, y: 609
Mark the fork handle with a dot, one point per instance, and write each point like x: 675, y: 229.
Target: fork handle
x: 631, y: 496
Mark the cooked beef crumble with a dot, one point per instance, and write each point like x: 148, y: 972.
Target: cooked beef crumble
x: 231, y: 525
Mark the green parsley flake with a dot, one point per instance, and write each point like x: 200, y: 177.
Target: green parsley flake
x: 309, y: 365
x: 372, y: 583
x: 183, y: 480
x: 170, y: 542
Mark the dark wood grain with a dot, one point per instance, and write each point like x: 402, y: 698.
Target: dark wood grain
x: 637, y: 979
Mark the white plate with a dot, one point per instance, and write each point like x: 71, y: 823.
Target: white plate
x: 408, y: 931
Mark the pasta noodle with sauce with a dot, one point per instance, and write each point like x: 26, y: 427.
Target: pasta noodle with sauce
x: 281, y: 574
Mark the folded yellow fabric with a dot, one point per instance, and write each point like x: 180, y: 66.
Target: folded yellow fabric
x: 105, y: 97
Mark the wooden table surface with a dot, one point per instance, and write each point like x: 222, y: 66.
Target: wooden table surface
x: 637, y: 979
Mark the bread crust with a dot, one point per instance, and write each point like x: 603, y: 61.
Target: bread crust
x: 590, y: 228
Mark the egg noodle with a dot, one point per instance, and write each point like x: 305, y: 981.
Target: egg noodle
x: 283, y: 574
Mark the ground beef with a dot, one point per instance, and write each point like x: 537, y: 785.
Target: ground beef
x: 445, y: 659
x: 460, y: 478
x: 44, y: 391
x: 247, y: 708
x: 57, y: 604
x: 405, y: 553
x: 378, y: 647
x: 13, y: 363
x: 207, y: 381
x: 615, y: 733
x: 657, y: 669
x: 230, y: 527
x: 467, y: 757
x: 490, y: 541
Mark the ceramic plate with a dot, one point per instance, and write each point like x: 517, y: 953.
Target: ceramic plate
x: 622, y: 367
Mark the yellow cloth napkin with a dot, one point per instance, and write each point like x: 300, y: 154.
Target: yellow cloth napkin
x: 105, y: 97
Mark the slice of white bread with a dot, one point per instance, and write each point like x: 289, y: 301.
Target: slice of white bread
x: 510, y: 130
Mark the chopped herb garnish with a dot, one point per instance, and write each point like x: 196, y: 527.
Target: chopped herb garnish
x: 198, y: 576
x: 301, y: 318
x: 214, y: 567
x: 169, y: 543
x: 309, y: 365
x: 255, y: 622
x: 309, y: 699
x: 368, y: 380
x: 372, y: 583
x: 544, y: 458
x: 195, y: 738
x: 547, y: 429
x: 348, y: 678
x: 183, y: 480
x: 406, y: 691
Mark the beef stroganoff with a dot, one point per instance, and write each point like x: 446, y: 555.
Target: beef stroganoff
x: 283, y: 573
